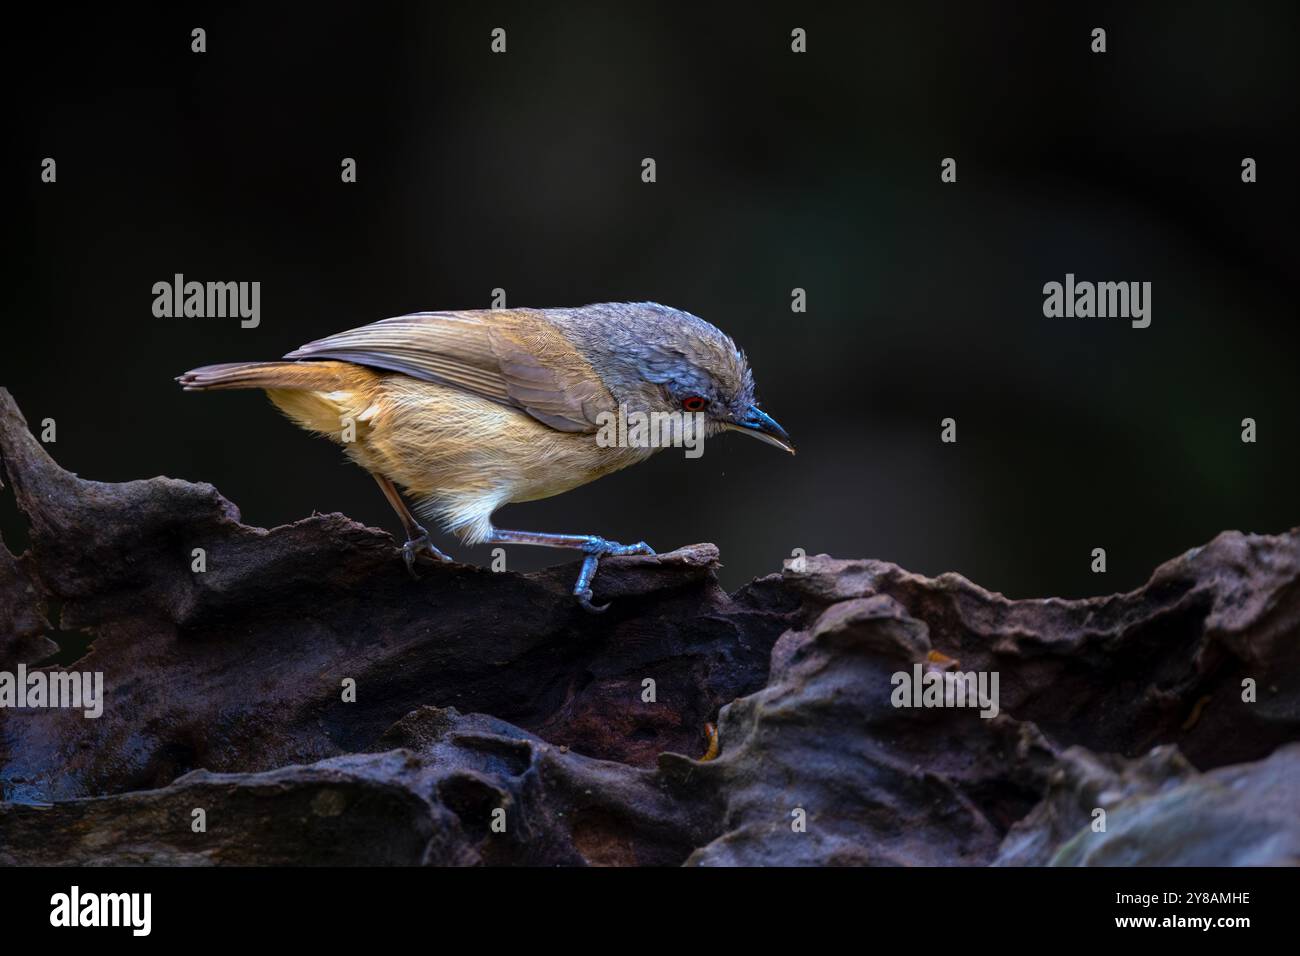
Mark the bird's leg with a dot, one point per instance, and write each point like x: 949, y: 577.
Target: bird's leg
x: 593, y: 546
x: 416, y: 537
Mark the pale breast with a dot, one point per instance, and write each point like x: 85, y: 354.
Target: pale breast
x: 465, y: 456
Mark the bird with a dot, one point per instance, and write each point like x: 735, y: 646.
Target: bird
x: 467, y: 411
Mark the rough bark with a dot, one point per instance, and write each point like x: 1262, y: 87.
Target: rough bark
x: 485, y: 697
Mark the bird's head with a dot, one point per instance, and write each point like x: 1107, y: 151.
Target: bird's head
x: 668, y: 360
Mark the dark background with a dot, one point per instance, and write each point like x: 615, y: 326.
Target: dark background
x: 775, y: 170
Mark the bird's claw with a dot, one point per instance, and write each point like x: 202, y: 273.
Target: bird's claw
x: 584, y: 602
x: 595, y: 549
x: 414, y: 546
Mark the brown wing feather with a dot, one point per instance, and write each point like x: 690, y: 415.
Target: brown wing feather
x: 514, y: 357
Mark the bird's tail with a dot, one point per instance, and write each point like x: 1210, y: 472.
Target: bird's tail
x: 311, y: 376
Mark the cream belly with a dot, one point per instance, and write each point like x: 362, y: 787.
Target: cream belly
x: 460, y: 456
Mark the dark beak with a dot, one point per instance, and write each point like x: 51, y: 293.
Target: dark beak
x: 759, y: 424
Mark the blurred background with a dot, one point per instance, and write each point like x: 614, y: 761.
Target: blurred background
x: 775, y: 171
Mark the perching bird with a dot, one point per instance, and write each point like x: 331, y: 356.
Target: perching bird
x: 469, y: 411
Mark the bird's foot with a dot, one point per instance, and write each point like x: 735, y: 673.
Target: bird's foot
x: 596, y: 548
x: 600, y: 547
x: 413, y: 547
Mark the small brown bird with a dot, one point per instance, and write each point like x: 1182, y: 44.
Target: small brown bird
x: 469, y: 411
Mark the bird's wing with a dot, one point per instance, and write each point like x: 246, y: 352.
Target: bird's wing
x: 514, y: 357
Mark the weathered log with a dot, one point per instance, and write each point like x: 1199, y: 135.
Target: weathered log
x: 224, y: 692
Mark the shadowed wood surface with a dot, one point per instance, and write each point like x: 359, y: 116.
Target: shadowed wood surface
x: 478, y: 692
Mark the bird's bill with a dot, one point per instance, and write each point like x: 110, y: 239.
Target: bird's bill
x: 758, y: 424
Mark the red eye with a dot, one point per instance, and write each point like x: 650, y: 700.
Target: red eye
x: 694, y: 403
